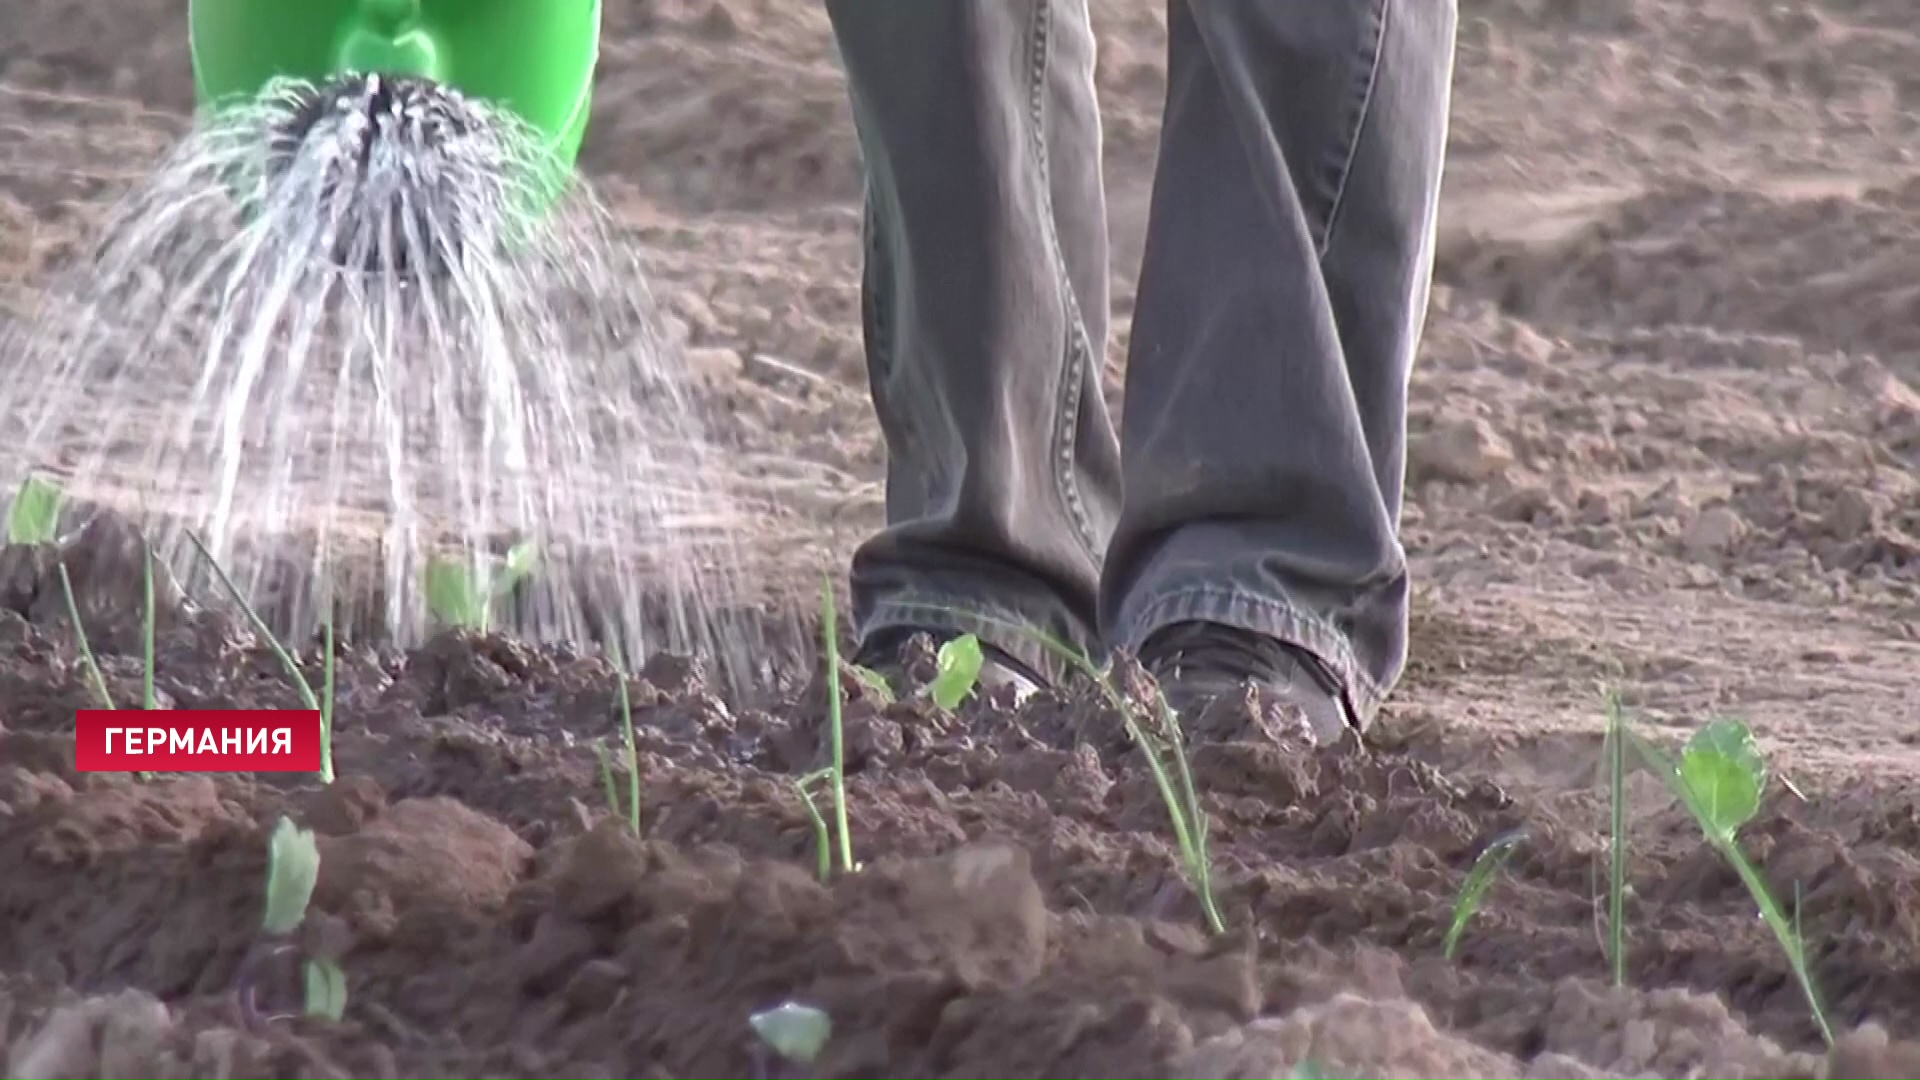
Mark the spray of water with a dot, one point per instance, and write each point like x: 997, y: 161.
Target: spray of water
x: 347, y: 329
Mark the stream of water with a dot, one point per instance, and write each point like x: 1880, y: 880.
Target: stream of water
x: 326, y: 337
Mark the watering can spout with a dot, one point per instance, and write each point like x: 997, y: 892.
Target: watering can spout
x: 535, y: 58
x: 388, y: 37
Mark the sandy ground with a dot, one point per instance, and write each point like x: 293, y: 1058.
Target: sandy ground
x: 1665, y: 427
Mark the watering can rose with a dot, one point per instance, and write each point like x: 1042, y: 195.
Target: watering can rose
x: 535, y: 58
x: 197, y: 740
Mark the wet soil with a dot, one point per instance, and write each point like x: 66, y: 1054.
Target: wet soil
x: 1018, y: 910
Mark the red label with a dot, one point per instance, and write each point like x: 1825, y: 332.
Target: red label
x: 197, y: 740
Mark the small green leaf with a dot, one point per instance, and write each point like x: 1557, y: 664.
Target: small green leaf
x: 516, y: 567
x: 796, y: 1032
x: 958, y: 670
x: 326, y: 990
x: 452, y: 596
x: 873, y: 682
x: 34, y: 517
x: 1723, y: 769
x: 606, y: 779
x: 1479, y: 879
x: 822, y: 839
x: 293, y: 865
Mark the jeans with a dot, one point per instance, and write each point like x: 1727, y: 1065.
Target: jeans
x: 1257, y: 475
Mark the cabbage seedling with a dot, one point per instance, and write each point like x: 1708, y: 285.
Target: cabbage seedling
x: 957, y: 671
x: 1720, y: 778
x: 796, y: 1032
x: 461, y: 596
x: 34, y: 519
x: 293, y: 867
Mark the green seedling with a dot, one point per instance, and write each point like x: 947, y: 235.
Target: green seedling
x: 607, y: 786
x: 1720, y: 778
x: 326, y: 990
x: 293, y: 867
x: 1617, y: 838
x: 462, y: 597
x: 956, y: 674
x: 630, y: 752
x: 35, y: 515
x: 87, y: 660
x: 1184, y: 812
x: 957, y: 671
x: 1473, y: 891
x: 149, y: 700
x: 1175, y: 784
x: 822, y: 839
x: 794, y: 1031
x: 300, y: 684
x: 836, y: 732
x: 34, y: 520
x: 1184, y: 807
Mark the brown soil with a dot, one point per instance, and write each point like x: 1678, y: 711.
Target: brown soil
x: 1665, y: 438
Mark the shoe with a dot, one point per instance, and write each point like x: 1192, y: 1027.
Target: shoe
x: 1199, y: 664
x: 908, y: 658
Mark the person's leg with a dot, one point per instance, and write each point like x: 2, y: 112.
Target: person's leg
x: 985, y: 301
x: 1282, y: 295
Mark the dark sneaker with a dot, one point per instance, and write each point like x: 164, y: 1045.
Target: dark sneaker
x: 1200, y: 663
x: 907, y: 658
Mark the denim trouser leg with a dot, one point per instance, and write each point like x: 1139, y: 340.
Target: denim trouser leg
x: 1282, y: 294
x: 1281, y: 298
x: 985, y: 302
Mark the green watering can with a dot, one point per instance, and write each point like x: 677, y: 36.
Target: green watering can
x: 534, y: 57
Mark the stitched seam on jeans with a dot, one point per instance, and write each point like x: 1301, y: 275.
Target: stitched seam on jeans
x: 1371, y: 52
x: 879, y: 272
x: 1067, y: 399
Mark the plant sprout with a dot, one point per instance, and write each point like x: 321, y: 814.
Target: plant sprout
x: 822, y: 839
x: 462, y: 597
x: 630, y: 753
x: 34, y: 520
x: 293, y: 867
x: 326, y: 989
x: 796, y: 1032
x: 1720, y: 778
x: 34, y: 517
x: 149, y: 700
x: 957, y: 670
x: 1473, y: 891
x: 837, y: 778
x: 1188, y: 818
x: 300, y: 684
